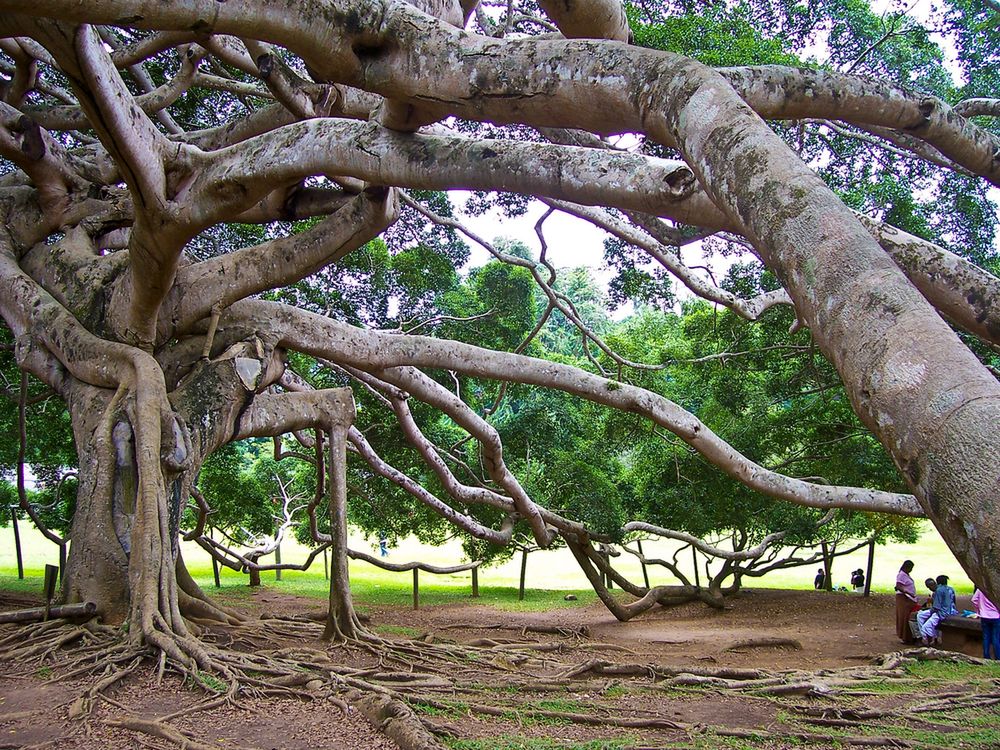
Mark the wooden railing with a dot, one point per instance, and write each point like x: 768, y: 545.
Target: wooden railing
x: 416, y: 567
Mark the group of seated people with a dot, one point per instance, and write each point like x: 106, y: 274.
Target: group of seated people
x: 924, y: 625
x: 922, y: 622
x: 938, y: 605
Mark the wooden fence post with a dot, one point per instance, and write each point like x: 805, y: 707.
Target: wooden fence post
x: 642, y: 562
x: 277, y: 560
x: 215, y: 564
x: 871, y: 563
x: 51, y: 577
x: 326, y: 565
x: 475, y: 582
x: 524, y: 566
x: 17, y: 543
x: 694, y: 556
x: 416, y: 588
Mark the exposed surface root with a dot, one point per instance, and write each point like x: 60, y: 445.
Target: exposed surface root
x: 164, y: 731
x: 395, y: 719
x: 414, y: 690
x: 764, y: 643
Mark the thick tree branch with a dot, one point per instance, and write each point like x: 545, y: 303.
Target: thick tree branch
x: 593, y: 19
x: 375, y: 352
x: 236, y: 177
x: 445, y: 511
x: 236, y: 275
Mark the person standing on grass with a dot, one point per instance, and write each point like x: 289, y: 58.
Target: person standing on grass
x: 990, y: 618
x: 942, y: 606
x: 820, y: 580
x: 906, y: 601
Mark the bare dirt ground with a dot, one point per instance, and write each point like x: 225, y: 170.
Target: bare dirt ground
x: 832, y: 629
x: 777, y: 669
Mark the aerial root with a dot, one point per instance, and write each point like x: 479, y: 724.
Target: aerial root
x: 602, y: 668
x: 601, y: 719
x: 555, y: 646
x: 952, y: 703
x: 897, y: 659
x: 396, y: 677
x: 835, y: 740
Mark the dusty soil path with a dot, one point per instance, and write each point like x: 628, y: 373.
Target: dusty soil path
x: 512, y: 690
x: 832, y: 629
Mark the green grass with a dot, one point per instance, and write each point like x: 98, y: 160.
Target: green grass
x: 926, y: 675
x: 402, y: 630
x: 452, y: 710
x: 388, y: 592
x: 516, y: 742
x: 550, y: 574
x: 944, y: 671
x: 975, y: 729
x: 31, y: 584
x: 211, y: 682
x: 885, y: 686
x: 563, y: 705
x: 712, y: 741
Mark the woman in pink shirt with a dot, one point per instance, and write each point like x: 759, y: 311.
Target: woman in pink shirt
x: 990, y: 618
x: 906, y: 601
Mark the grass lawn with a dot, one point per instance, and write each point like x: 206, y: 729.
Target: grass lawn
x: 550, y: 574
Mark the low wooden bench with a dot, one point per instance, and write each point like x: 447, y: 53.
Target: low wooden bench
x: 963, y: 634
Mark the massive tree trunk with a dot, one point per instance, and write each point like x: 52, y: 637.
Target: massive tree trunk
x: 97, y: 567
x: 341, y: 622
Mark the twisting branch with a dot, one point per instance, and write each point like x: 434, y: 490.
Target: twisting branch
x: 125, y: 130
x: 22, y: 495
x: 142, y: 78
x: 556, y: 300
x: 735, y: 554
x: 815, y: 94
x: 401, y: 480
x: 223, y: 280
x: 750, y: 309
x: 41, y: 157
x: 283, y: 83
x: 978, y: 108
x: 397, y: 401
x: 899, y: 144
x: 375, y: 351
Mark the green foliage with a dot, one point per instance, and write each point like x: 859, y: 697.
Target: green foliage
x: 773, y: 398
x: 243, y: 484
x: 716, y: 33
x: 892, y: 44
x: 778, y: 402
x: 50, y: 451
x: 514, y: 742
